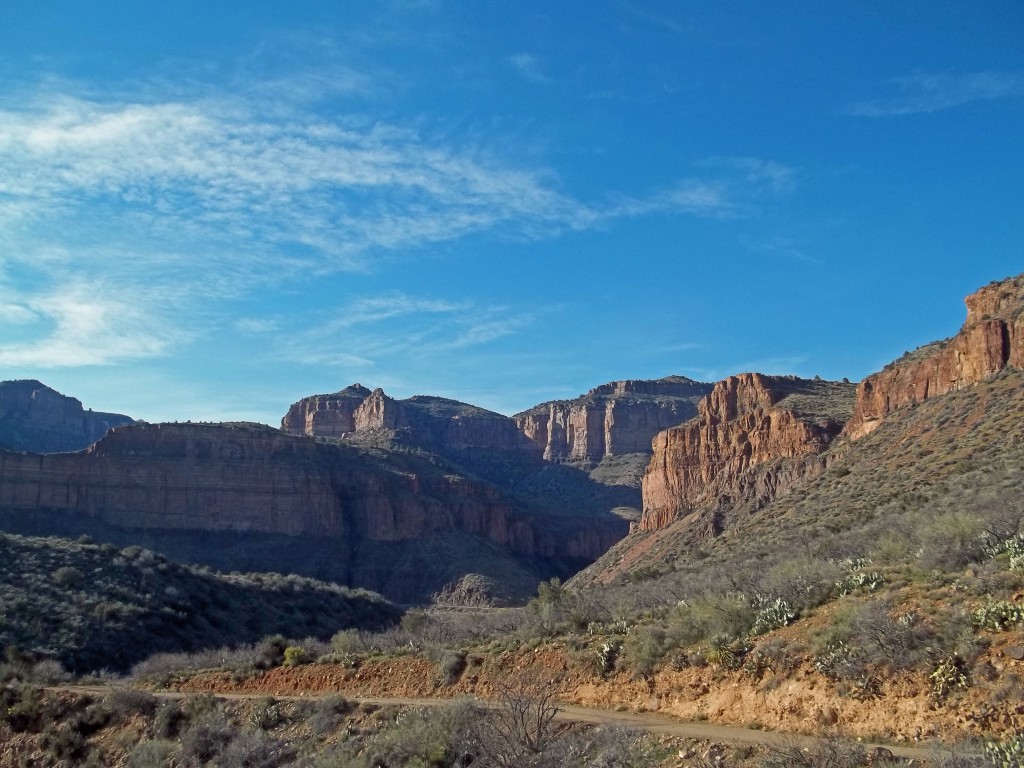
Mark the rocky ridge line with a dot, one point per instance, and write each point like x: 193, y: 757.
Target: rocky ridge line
x: 991, y: 338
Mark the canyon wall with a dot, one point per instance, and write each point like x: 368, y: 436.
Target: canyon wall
x: 611, y: 420
x: 991, y: 339
x: 747, y: 421
x: 251, y: 479
x: 438, y: 422
x: 34, y: 417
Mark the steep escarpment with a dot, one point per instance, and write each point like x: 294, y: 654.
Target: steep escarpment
x: 611, y: 420
x: 991, y: 339
x: 360, y: 507
x: 34, y: 417
x: 437, y: 422
x: 746, y: 421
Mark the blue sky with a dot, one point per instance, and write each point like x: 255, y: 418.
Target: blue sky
x: 209, y: 210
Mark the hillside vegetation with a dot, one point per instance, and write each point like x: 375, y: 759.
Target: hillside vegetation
x: 95, y: 607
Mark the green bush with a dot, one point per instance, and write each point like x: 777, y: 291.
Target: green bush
x: 296, y: 656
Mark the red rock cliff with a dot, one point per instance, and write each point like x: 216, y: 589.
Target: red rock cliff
x: 436, y: 421
x: 253, y: 479
x: 611, y: 420
x: 991, y: 339
x: 746, y: 421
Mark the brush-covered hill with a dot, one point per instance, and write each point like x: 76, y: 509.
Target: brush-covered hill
x: 95, y: 607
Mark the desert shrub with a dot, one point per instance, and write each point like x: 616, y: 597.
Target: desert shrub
x: 643, y: 649
x: 271, y: 652
x: 823, y: 753
x: 296, y: 656
x: 451, y: 664
x: 802, y: 584
x: 67, y: 576
x: 869, y: 635
x: 325, y: 714
x: 730, y: 615
x: 49, y: 672
x: 266, y: 714
x: 21, y: 705
x: 605, y: 747
x: 168, y: 720
x: 435, y: 736
x: 348, y: 641
x: 206, y: 738
x: 767, y: 657
x: 253, y: 749
x: 64, y: 743
x: 123, y: 702
x: 156, y: 753
x: 520, y: 731
x: 951, y: 541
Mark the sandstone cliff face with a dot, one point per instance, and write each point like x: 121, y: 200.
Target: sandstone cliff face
x: 747, y: 421
x: 247, y: 479
x: 991, y: 339
x: 436, y: 421
x: 611, y: 420
x: 34, y: 417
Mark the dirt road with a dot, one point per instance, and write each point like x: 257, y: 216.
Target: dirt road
x: 652, y: 723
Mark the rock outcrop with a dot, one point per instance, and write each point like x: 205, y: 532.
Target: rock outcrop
x: 746, y: 422
x: 34, y: 417
x: 249, y: 479
x: 438, y: 422
x: 611, y: 420
x: 991, y: 339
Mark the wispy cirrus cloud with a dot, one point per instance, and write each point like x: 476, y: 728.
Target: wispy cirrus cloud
x: 208, y: 197
x: 925, y: 93
x: 375, y: 331
x: 87, y: 325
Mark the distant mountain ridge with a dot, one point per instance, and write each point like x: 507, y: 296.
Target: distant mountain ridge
x: 38, y: 419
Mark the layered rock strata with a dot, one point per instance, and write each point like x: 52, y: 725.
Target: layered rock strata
x: 34, y: 417
x: 248, y: 479
x: 436, y: 421
x: 746, y: 422
x: 991, y: 339
x: 611, y: 420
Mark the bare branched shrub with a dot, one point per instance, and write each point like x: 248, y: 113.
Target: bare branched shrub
x: 520, y: 731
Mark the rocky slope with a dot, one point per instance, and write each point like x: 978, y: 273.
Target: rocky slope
x: 754, y: 462
x: 360, y: 509
x: 991, y: 339
x: 35, y: 418
x: 746, y: 421
x: 611, y: 420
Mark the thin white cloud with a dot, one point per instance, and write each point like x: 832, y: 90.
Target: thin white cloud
x: 529, y: 67
x: 256, y: 325
x: 91, y: 325
x: 397, y: 328
x: 199, y: 199
x: 925, y: 93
